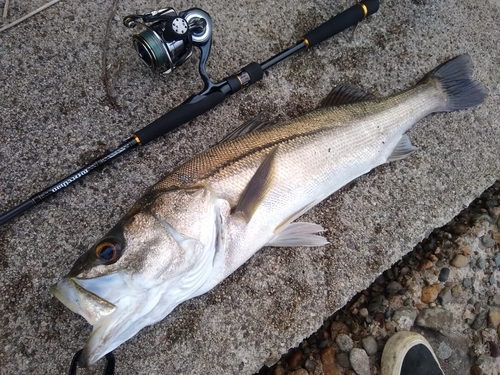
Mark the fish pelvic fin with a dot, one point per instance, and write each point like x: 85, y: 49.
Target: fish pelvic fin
x: 345, y: 94
x: 403, y: 149
x: 258, y: 187
x: 455, y: 79
x: 299, y: 234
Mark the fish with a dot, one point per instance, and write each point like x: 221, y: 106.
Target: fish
x: 206, y: 218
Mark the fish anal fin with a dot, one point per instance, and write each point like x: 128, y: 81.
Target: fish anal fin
x: 345, y: 94
x: 299, y: 234
x: 403, y: 149
x: 257, y: 187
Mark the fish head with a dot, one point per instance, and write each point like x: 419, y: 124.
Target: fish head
x: 159, y: 255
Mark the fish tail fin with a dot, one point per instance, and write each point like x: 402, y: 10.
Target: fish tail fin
x: 455, y: 79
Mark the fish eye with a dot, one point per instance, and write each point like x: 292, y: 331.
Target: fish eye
x: 108, y: 252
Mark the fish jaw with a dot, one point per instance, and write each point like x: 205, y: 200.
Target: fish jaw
x: 81, y: 301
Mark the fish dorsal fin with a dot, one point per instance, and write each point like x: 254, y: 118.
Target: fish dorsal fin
x: 251, y: 125
x: 403, y: 149
x: 299, y: 234
x: 258, y: 187
x: 345, y: 94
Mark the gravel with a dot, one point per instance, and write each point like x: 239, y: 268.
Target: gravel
x: 462, y: 324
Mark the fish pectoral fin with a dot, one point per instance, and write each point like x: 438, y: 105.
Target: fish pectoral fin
x: 345, y: 94
x: 251, y: 125
x: 258, y: 187
x: 299, y: 234
x: 403, y: 149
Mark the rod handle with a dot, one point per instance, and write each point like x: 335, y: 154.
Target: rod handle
x: 341, y: 21
x: 178, y: 116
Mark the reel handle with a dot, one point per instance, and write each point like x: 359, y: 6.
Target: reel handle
x: 341, y: 21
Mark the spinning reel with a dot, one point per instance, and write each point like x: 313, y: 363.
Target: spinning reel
x: 169, y: 38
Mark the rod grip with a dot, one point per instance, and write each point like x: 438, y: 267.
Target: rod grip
x: 341, y: 21
x: 178, y: 116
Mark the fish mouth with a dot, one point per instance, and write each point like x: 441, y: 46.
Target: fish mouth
x: 113, y: 322
x: 82, y: 301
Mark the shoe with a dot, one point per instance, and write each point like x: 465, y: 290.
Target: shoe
x: 409, y: 353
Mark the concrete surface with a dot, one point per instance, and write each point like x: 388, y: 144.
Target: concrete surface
x: 54, y: 117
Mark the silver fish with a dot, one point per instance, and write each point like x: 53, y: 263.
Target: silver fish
x: 198, y: 225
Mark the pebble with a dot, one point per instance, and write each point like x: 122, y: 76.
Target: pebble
x: 404, y: 318
x: 330, y: 367
x: 481, y: 263
x: 467, y: 282
x: 444, y: 274
x: 375, y: 303
x: 494, y: 316
x: 497, y: 259
x: 492, y: 279
x: 338, y: 327
x: 444, y: 351
x: 425, y: 264
x: 294, y: 360
x: 444, y: 296
x: 494, y: 349
x: 363, y: 312
x: 359, y: 361
x: 310, y: 365
x: 460, y: 261
x: 430, y: 293
x: 456, y: 290
x: 393, y: 287
x: 476, y: 370
x: 343, y: 360
x: 480, y: 320
x: 370, y: 345
x: 300, y: 371
x: 388, y: 313
x: 279, y: 370
x: 487, y: 241
x: 344, y: 342
x: 436, y: 318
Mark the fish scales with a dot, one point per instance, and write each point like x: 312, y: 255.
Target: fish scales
x: 203, y: 221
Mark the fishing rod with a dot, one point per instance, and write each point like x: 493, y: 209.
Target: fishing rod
x: 166, y: 43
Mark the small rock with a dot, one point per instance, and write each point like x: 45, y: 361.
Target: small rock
x: 476, y: 370
x: 404, y: 318
x: 370, y: 345
x: 379, y: 318
x: 300, y: 371
x: 363, y: 312
x: 388, y: 313
x: 487, y: 241
x: 430, y: 293
x: 480, y: 320
x: 444, y: 274
x: 310, y: 365
x: 359, y: 361
x: 330, y: 367
x: 444, y: 296
x: 344, y: 342
x: 494, y: 316
x: 436, y: 318
x: 497, y: 259
x: 375, y: 302
x: 492, y: 279
x: 338, y: 327
x: 460, y: 261
x: 294, y: 360
x: 494, y: 350
x: 343, y: 360
x: 467, y: 282
x: 481, y: 263
x: 393, y: 287
x: 279, y: 370
x: 444, y: 351
x: 466, y: 250
x: 456, y: 291
x: 425, y: 264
